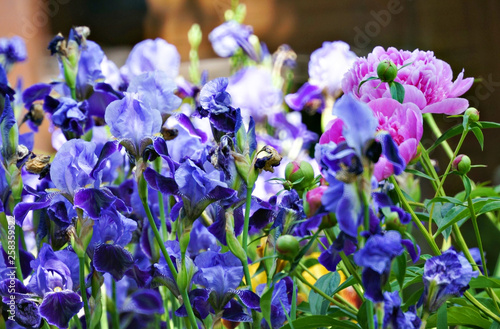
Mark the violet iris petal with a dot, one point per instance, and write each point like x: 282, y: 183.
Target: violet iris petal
x: 144, y: 301
x: 308, y: 96
x: 156, y: 91
x: 199, y: 300
x: 228, y: 37
x: 130, y: 119
x: 394, y: 317
x: 112, y: 259
x: 59, y: 307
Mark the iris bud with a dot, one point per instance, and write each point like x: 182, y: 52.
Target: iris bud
x: 462, y: 164
x: 387, y: 71
x: 287, y: 246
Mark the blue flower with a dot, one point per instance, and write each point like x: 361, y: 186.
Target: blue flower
x: 309, y: 97
x: 376, y: 258
x: 150, y: 55
x: 281, y: 302
x: 215, y: 103
x: 67, y: 114
x: 133, y: 123
x: 394, y: 317
x: 12, y: 50
x: 445, y: 276
x: 230, y: 36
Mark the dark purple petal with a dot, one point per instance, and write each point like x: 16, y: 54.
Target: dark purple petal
x: 112, y: 259
x: 234, y: 312
x: 391, y: 152
x: 103, y: 96
x: 308, y: 93
x: 186, y: 123
x: 36, y: 92
x: 199, y: 302
x: 144, y: 301
x: 59, y: 307
x: 93, y: 201
x: 248, y: 298
x: 22, y: 209
x: 142, y: 278
x: 107, y: 150
x: 413, y: 249
x: 174, y: 213
x: 165, y: 185
x: 373, y: 283
x: 218, y: 227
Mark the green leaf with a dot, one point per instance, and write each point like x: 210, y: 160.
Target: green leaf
x: 461, y: 315
x: 265, y: 304
x: 317, y: 321
x: 479, y: 135
x: 412, y: 300
x: 347, y: 283
x: 397, y: 91
x: 484, y: 282
x: 488, y: 124
x: 365, y: 315
x: 327, y: 283
x: 418, y: 173
x: 452, y: 132
x: 442, y: 317
x: 399, y: 269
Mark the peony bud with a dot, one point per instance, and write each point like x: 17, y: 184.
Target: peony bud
x: 387, y: 71
x: 287, y: 246
x: 473, y: 114
x: 300, y: 175
x: 462, y: 164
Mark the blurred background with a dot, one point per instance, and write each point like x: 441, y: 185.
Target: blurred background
x: 463, y: 33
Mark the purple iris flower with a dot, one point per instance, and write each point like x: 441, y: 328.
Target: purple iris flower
x: 309, y: 98
x: 330, y: 257
x: 376, y: 257
x: 150, y: 55
x: 67, y: 114
x: 199, y: 188
x: 53, y: 279
x: 112, y: 231
x: 12, y: 50
x: 445, y: 276
x: 394, y: 317
x: 221, y: 274
x: 281, y: 302
x: 230, y: 36
x: 215, y: 102
x: 156, y: 91
x: 89, y: 68
x: 133, y: 122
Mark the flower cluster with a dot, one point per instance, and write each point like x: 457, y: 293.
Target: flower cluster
x: 172, y: 198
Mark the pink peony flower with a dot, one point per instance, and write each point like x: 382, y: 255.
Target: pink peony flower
x: 402, y: 121
x: 427, y: 80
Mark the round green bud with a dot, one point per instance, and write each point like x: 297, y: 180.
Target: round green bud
x: 462, y: 164
x: 387, y: 71
x: 287, y: 246
x: 473, y: 114
x: 300, y: 175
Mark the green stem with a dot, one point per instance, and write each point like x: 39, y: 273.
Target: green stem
x: 104, y: 315
x: 440, y: 187
x: 17, y: 260
x: 480, y: 306
x: 346, y: 309
x: 189, y: 309
x: 76, y: 321
x: 143, y: 194
x: 428, y: 237
x: 476, y: 231
x: 437, y: 132
x: 116, y: 315
x: 244, y: 242
x: 83, y: 290
x: 161, y: 204
x: 164, y: 296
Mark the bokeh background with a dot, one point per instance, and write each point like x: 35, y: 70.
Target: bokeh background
x: 463, y: 33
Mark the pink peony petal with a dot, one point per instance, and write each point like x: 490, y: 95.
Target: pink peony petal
x: 460, y: 86
x: 450, y: 106
x: 382, y: 169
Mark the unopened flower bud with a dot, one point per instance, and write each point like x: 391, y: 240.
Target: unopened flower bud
x: 313, y: 198
x: 287, y: 246
x: 387, y: 71
x: 462, y: 164
x: 473, y: 114
x: 300, y: 175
